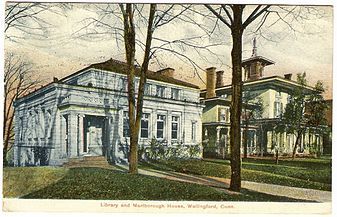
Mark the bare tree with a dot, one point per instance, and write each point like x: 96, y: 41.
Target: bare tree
x: 238, y: 18
x: 27, y: 18
x: 157, y: 18
x: 18, y: 81
x: 135, y: 110
x: 232, y: 17
x: 126, y: 25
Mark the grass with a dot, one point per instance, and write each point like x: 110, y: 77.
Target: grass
x: 23, y: 180
x: 303, y: 173
x: 103, y: 184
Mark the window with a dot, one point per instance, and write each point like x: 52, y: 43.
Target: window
x: 160, y: 91
x: 277, y: 109
x: 174, y: 93
x: 144, y: 126
x: 193, y: 130
x: 147, y: 89
x: 278, y: 94
x: 289, y: 99
x: 223, y: 114
x: 175, y: 127
x: 126, y: 128
x: 160, y: 126
x: 123, y: 84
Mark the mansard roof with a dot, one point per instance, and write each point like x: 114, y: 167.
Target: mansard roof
x: 122, y: 68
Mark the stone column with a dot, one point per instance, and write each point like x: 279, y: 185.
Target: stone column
x: 80, y: 134
x: 108, y: 136
x: 61, y: 135
x: 16, y: 156
x: 153, y: 123
x: 183, y: 126
x: 72, y: 134
x: 169, y: 127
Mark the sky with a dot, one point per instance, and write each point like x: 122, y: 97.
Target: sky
x: 65, y: 50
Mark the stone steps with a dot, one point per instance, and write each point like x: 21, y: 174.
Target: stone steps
x: 87, y: 161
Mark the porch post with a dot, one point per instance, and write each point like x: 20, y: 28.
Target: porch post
x: 218, y: 138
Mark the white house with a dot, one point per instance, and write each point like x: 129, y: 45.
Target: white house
x: 86, y: 114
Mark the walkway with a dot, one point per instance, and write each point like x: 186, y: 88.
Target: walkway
x: 223, y: 184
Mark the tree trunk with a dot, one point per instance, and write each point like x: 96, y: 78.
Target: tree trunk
x: 8, y: 123
x: 130, y: 50
x: 299, y: 134
x: 135, y: 112
x: 236, y: 103
x: 261, y: 141
x: 276, y: 156
x: 6, y: 139
x: 4, y: 160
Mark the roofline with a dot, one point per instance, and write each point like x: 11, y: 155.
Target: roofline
x: 37, y: 91
x: 214, y: 99
x: 92, y: 66
x: 270, y: 62
x: 266, y: 79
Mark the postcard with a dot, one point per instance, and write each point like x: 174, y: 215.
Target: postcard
x: 158, y: 107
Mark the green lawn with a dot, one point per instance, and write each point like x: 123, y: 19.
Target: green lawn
x: 18, y: 181
x: 301, y: 172
x: 97, y: 183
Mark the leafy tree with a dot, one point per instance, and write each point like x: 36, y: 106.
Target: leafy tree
x: 304, y: 111
x: 315, y: 112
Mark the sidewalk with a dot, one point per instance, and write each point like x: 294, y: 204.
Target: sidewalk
x: 223, y: 184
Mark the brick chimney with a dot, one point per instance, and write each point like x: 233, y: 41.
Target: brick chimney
x: 211, y: 82
x: 219, y: 79
x: 288, y: 76
x: 169, y: 72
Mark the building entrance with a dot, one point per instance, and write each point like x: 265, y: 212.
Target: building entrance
x: 94, y: 135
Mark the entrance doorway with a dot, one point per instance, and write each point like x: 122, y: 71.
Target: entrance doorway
x: 94, y: 135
